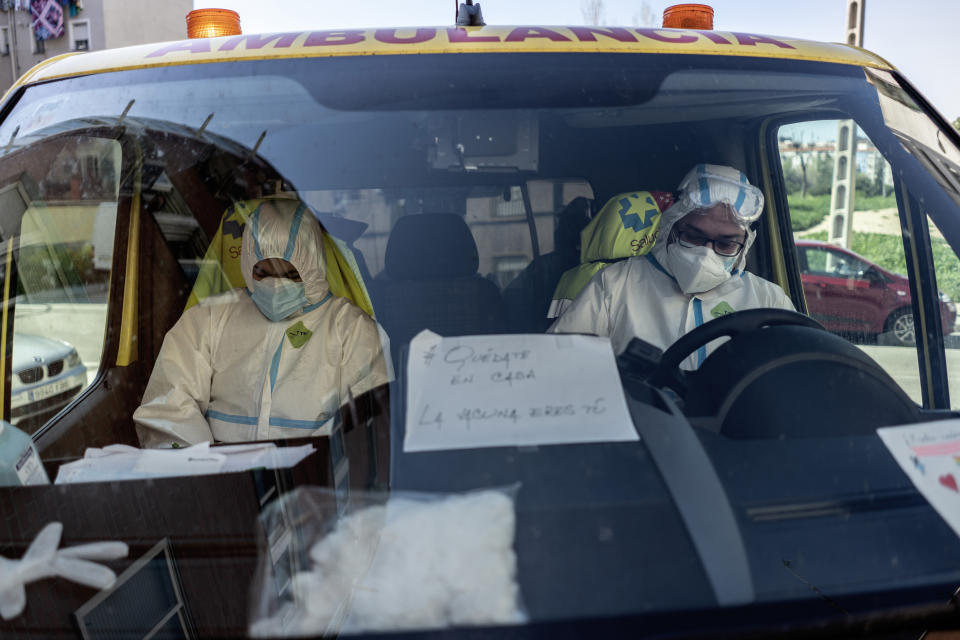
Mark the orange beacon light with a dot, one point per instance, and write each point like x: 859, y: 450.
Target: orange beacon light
x: 211, y: 23
x: 688, y: 16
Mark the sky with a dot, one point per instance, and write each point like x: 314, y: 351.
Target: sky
x: 920, y: 38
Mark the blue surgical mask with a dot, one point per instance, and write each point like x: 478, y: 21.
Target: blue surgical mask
x: 278, y: 298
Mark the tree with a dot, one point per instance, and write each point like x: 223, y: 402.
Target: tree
x: 646, y: 17
x: 792, y: 178
x: 866, y: 185
x: 798, y: 146
x: 592, y: 11
x: 822, y: 179
x: 956, y: 124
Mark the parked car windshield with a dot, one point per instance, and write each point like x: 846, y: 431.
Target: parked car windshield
x: 453, y: 193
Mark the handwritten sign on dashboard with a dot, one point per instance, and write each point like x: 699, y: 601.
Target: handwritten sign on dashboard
x: 510, y: 390
x: 929, y: 453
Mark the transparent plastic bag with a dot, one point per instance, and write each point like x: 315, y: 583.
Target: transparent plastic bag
x: 385, y: 562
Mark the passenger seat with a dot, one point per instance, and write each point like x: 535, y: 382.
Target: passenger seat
x: 430, y: 281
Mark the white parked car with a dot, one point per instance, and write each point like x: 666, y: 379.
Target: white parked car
x: 48, y: 373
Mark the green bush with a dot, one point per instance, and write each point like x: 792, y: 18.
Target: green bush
x: 882, y: 249
x: 55, y: 267
x: 871, y: 203
x: 812, y: 210
x: 947, y: 267
x: 887, y: 251
x: 807, y: 212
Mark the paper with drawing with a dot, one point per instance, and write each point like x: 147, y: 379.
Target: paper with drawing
x: 507, y: 390
x: 929, y: 454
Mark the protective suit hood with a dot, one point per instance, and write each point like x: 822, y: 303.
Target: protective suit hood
x: 706, y: 185
x: 286, y: 229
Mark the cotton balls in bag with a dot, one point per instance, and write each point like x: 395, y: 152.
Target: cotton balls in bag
x: 417, y: 564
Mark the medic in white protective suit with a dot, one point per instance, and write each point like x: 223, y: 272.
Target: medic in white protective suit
x: 694, y: 273
x: 274, y: 360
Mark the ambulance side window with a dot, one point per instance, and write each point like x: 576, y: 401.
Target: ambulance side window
x: 947, y: 268
x: 849, y: 242
x: 58, y: 226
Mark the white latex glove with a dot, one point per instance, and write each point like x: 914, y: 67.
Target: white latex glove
x: 44, y: 560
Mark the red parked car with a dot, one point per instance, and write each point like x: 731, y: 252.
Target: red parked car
x: 849, y: 294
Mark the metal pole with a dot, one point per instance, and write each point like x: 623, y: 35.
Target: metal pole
x: 843, y: 189
x: 12, y: 41
x: 856, y: 9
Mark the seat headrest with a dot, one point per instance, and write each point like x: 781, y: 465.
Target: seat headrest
x: 626, y: 226
x: 431, y: 246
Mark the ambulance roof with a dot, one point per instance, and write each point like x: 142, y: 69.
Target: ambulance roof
x: 447, y: 40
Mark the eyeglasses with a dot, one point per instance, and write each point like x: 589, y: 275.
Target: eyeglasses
x: 260, y: 272
x: 690, y: 238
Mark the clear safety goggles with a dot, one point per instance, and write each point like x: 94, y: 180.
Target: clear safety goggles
x: 701, y: 190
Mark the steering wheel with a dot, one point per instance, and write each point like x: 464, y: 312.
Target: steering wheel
x: 669, y: 374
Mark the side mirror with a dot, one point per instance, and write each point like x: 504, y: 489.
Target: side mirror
x: 871, y: 275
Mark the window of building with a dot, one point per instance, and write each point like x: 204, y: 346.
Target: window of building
x: 80, y: 35
x: 5, y: 41
x: 506, y: 268
x: 512, y: 207
x: 39, y: 46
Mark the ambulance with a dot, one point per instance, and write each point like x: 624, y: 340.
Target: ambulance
x: 467, y: 180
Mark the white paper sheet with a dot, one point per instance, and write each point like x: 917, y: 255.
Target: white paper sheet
x: 929, y: 454
x: 121, y: 462
x: 241, y: 457
x: 191, y: 461
x: 508, y: 390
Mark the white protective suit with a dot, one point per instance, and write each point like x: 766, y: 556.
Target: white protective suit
x: 639, y: 297
x: 226, y: 373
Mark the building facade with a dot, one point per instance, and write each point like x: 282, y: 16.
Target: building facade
x: 34, y: 30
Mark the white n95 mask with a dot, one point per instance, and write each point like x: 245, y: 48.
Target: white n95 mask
x: 278, y: 298
x: 698, y: 269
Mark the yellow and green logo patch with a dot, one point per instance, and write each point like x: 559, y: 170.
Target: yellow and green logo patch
x: 721, y: 309
x: 298, y: 335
